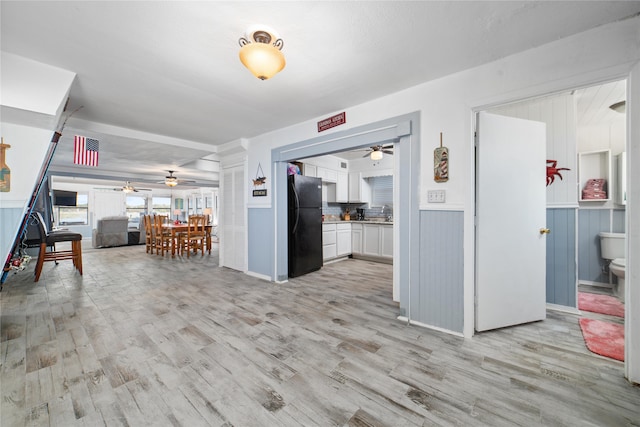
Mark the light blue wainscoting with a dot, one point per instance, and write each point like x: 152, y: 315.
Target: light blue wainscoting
x: 561, y: 257
x: 260, y: 241
x: 590, y: 223
x: 441, y: 282
x: 10, y: 219
x: 617, y: 221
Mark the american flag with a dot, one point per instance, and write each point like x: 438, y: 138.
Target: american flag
x: 85, y: 151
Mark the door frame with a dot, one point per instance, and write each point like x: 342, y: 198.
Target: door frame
x: 404, y: 132
x: 624, y: 72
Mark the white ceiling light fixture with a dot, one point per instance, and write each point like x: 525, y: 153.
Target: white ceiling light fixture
x: 261, y: 52
x: 376, y: 155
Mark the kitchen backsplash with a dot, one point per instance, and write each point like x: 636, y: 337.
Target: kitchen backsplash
x: 338, y: 209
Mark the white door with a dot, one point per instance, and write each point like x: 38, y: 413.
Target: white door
x: 511, y: 217
x: 232, y: 235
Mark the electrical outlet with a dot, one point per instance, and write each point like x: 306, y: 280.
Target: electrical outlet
x: 435, y: 196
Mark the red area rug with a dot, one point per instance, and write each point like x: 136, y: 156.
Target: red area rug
x: 603, y: 338
x: 603, y: 304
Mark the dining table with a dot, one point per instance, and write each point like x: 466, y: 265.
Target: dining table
x: 176, y: 228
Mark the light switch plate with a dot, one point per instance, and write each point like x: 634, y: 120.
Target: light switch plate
x: 435, y: 196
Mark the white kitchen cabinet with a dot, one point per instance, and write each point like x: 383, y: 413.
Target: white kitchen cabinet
x: 386, y: 241
x: 310, y: 170
x: 327, y: 175
x: 343, y: 239
x: 329, y: 247
x: 342, y: 187
x: 356, y: 239
x: 377, y: 240
x: 371, y: 239
x: 359, y: 188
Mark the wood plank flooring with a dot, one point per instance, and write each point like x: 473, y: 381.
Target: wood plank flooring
x: 144, y: 340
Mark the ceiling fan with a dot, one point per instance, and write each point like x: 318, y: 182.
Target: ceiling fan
x: 376, y: 152
x: 172, y: 181
x: 127, y: 188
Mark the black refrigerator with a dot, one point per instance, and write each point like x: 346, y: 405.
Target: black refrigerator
x: 305, y: 224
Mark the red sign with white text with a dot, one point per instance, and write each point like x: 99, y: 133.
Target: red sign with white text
x: 333, y: 121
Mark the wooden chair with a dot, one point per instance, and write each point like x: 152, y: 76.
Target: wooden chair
x: 194, y: 238
x: 162, y: 237
x: 48, y: 239
x: 149, y: 233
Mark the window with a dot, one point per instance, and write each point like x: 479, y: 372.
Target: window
x: 161, y: 205
x: 74, y: 215
x: 381, y: 190
x: 136, y: 207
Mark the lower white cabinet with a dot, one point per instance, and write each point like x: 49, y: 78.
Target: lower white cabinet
x: 352, y: 238
x: 356, y: 239
x: 386, y: 242
x: 343, y: 239
x: 377, y: 240
x: 329, y: 247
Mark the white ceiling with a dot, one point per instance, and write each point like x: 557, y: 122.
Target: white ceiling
x: 160, y: 83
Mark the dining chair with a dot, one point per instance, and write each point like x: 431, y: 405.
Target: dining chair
x: 194, y: 238
x: 48, y: 239
x: 162, y: 236
x: 149, y: 233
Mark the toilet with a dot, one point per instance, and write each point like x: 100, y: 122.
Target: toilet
x: 612, y: 247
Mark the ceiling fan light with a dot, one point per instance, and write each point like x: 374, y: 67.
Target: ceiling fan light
x: 376, y: 155
x: 171, y: 181
x: 263, y: 58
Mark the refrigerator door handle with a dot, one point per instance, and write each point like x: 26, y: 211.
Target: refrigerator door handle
x: 296, y: 209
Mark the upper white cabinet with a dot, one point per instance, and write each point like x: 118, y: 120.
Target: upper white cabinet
x: 359, y: 189
x: 594, y: 165
x: 342, y: 187
x: 327, y: 175
x: 310, y: 170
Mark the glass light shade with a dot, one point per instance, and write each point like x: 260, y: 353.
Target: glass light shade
x: 171, y: 181
x: 262, y: 59
x: 376, y: 155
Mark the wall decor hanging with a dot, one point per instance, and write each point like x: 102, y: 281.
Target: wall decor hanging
x: 553, y: 170
x: 441, y: 163
x: 5, y: 172
x: 259, y: 181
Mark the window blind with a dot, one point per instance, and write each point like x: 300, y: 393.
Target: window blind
x: 381, y: 190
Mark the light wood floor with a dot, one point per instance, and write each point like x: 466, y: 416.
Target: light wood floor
x: 141, y: 340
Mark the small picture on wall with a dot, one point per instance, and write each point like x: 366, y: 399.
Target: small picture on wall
x: 180, y: 204
x: 441, y: 163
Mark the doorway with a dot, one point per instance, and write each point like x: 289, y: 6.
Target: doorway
x: 581, y: 124
x: 403, y: 132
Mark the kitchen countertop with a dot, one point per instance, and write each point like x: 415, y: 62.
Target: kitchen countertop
x: 366, y: 221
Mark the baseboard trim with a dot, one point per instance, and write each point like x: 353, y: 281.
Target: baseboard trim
x: 424, y: 325
x: 259, y: 276
x: 563, y: 308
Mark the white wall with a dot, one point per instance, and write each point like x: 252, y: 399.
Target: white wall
x: 558, y: 112
x: 447, y: 104
x: 632, y: 299
x: 28, y: 149
x: 32, y: 98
